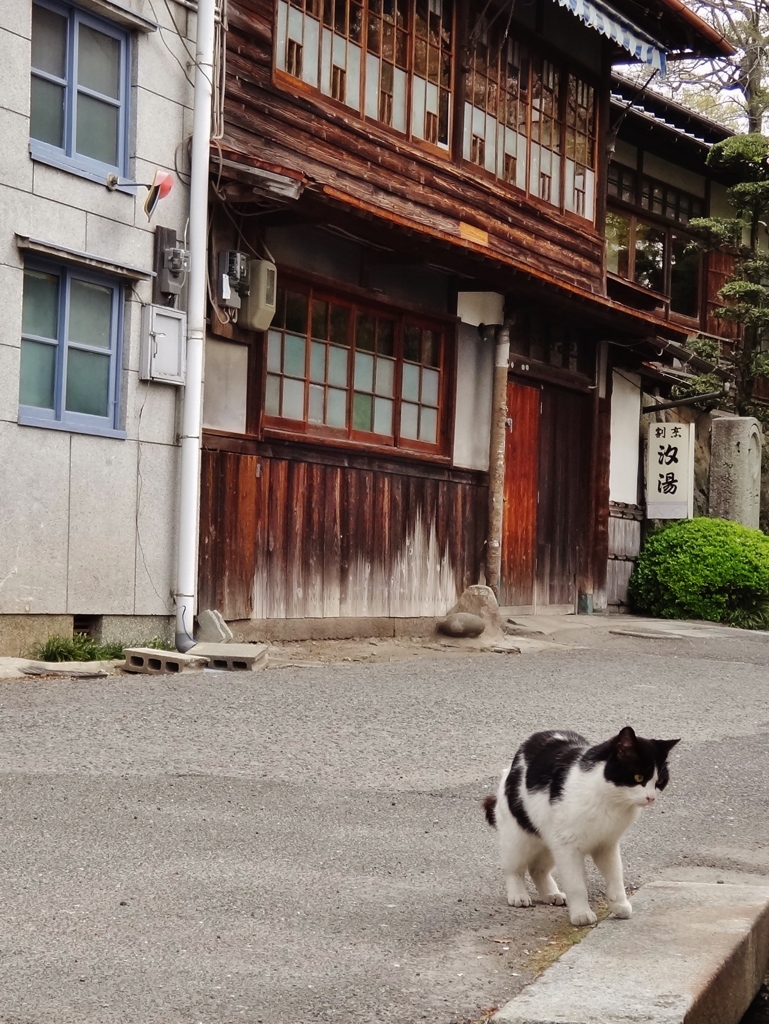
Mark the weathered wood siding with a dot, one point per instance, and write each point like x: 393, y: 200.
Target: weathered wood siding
x: 284, y: 535
x: 364, y: 167
x: 624, y: 545
x: 519, y: 515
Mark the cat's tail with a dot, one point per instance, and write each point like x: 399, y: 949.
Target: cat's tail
x: 489, y: 809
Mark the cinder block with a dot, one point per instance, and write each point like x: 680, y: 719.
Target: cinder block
x: 233, y: 657
x: 152, y: 662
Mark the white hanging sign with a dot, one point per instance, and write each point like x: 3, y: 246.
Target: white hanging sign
x: 670, y: 471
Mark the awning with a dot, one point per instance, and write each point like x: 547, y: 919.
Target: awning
x: 621, y: 31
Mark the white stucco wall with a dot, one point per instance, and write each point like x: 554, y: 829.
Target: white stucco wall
x: 673, y: 174
x: 624, y: 446
x: 87, y: 523
x: 226, y: 391
x: 475, y: 376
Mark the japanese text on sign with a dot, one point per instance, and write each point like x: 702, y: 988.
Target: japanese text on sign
x: 670, y: 471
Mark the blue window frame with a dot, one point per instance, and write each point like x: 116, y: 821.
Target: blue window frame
x: 72, y: 325
x: 80, y: 91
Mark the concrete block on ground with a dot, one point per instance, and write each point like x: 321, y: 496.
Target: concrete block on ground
x: 693, y: 953
x: 212, y: 629
x: 232, y: 657
x: 152, y: 662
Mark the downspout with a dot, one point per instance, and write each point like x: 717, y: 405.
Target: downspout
x: 192, y: 412
x: 501, y: 335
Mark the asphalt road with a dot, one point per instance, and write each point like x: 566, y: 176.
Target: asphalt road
x: 306, y: 845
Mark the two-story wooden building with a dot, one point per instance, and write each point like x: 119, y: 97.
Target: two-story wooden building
x: 426, y: 175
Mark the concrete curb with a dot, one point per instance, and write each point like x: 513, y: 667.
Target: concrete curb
x: 693, y: 953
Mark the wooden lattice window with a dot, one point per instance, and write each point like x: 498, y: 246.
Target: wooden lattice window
x: 340, y: 368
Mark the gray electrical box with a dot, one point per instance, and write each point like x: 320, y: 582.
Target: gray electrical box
x: 258, y: 304
x: 162, y: 356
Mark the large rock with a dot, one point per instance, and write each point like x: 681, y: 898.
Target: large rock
x: 477, y: 602
x: 462, y: 624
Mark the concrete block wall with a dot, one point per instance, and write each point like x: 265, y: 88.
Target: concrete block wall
x: 87, y: 523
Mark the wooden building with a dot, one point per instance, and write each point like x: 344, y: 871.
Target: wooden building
x: 427, y: 176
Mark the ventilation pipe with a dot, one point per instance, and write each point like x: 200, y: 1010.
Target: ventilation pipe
x: 500, y: 335
x: 192, y: 412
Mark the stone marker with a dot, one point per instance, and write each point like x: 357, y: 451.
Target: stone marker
x: 692, y: 953
x: 735, y: 469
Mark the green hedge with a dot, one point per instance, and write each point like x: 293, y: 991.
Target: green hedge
x: 704, y: 569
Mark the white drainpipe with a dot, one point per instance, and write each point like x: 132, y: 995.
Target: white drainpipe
x: 192, y: 414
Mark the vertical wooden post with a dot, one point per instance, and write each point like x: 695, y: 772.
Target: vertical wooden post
x: 500, y: 335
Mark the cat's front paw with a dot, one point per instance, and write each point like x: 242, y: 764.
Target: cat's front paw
x: 519, y: 901
x: 621, y: 908
x: 557, y: 899
x: 582, y: 920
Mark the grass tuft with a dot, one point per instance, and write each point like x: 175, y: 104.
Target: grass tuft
x: 80, y: 647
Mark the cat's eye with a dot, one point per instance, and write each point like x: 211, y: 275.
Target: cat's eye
x: 639, y: 778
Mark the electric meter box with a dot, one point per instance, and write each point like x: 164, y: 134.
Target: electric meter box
x: 258, y: 307
x: 162, y: 356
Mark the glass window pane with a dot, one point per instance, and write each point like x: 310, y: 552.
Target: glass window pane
x: 293, y: 399
x: 361, y: 412
x: 47, y: 112
x: 87, y: 382
x: 340, y: 325
x: 649, y: 257
x: 319, y: 319
x: 294, y: 355
x: 40, y: 313
x: 430, y: 380
x: 336, y: 408
x: 317, y: 361
x: 409, y: 415
x: 337, y: 366
x: 383, y: 416
x: 272, y: 396
x: 49, y: 41
x: 296, y: 312
x: 410, y: 387
x: 385, y: 370
x: 90, y: 314
x: 315, y: 413
x: 386, y: 338
x: 98, y: 62
x: 364, y: 371
x: 431, y: 348
x: 412, y: 343
x: 274, y: 346
x: 684, y: 279
x: 97, y: 129
x: 617, y: 244
x: 428, y: 425
x: 365, y: 332
x: 38, y: 370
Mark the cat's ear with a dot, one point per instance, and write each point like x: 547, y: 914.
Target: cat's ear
x: 665, y: 746
x: 625, y: 742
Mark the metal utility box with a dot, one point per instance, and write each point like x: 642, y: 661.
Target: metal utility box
x: 258, y: 305
x: 162, y: 356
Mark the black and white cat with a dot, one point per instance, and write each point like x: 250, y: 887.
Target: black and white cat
x: 563, y: 799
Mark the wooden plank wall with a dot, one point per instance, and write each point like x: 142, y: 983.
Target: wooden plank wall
x: 563, y: 494
x: 368, y: 168
x: 624, y: 545
x: 287, y: 538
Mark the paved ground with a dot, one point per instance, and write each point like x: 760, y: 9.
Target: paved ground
x: 306, y: 844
